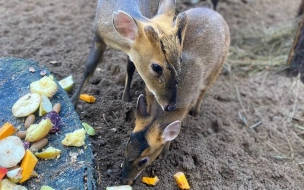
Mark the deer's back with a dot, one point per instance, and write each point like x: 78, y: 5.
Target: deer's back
x: 206, y: 44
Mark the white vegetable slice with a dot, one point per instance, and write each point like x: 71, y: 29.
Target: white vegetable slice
x: 67, y: 83
x: 26, y: 105
x: 45, y: 105
x: 11, y: 151
x: 45, y: 85
x: 14, y: 175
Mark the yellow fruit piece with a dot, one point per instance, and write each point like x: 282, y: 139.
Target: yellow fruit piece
x: 44, y: 187
x: 6, y: 184
x: 87, y: 98
x: 49, y: 153
x: 181, y: 180
x: 11, y: 151
x: 46, y: 85
x: 37, y: 131
x: 26, y: 105
x: 74, y: 139
x: 67, y: 83
x: 45, y: 105
x: 121, y: 187
x: 150, y: 180
x: 28, y: 164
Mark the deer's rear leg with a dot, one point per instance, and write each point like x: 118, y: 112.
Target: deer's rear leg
x: 197, y: 108
x: 96, y: 54
x: 130, y: 71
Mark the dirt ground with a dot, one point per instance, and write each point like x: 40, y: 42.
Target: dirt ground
x: 248, y: 135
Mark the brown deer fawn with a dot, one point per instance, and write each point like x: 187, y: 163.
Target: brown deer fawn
x: 153, y: 44
x: 205, y: 47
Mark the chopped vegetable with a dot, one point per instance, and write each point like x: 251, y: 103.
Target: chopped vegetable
x: 57, y: 107
x: 74, y: 139
x: 45, y: 85
x: 55, y: 119
x: 67, y: 83
x: 26, y: 145
x: 45, y: 105
x: 122, y: 187
x: 7, y: 130
x: 14, y: 175
x: 3, y: 171
x: 28, y: 164
x: 19, y: 187
x: 49, y: 153
x: 87, y: 98
x: 37, y: 131
x: 181, y: 180
x: 11, y: 151
x: 150, y: 180
x: 29, y: 121
x: 21, y: 134
x: 89, y: 129
x: 6, y: 184
x: 38, y: 145
x: 44, y: 187
x: 26, y: 105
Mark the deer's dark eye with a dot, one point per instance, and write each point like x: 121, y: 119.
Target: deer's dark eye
x: 142, y: 162
x: 157, y: 68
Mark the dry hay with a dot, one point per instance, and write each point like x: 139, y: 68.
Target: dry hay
x: 267, y: 49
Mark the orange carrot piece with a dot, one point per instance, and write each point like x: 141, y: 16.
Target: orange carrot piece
x: 181, y: 180
x: 87, y: 98
x: 7, y: 130
x: 28, y: 164
x: 150, y: 180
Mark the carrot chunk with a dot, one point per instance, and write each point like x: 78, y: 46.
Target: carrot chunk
x: 181, y: 180
x: 7, y: 130
x: 150, y: 180
x: 87, y: 98
x: 28, y: 164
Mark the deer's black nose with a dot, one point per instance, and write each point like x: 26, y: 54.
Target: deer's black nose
x: 125, y: 181
x: 170, y: 107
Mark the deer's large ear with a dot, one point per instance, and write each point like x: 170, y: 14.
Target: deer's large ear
x: 141, y: 108
x: 125, y: 25
x: 181, y: 22
x: 167, y: 7
x: 171, y: 131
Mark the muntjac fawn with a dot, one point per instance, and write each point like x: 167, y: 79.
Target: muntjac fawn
x: 147, y: 31
x: 205, y: 47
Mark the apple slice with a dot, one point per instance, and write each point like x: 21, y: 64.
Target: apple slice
x: 67, y: 83
x: 11, y: 151
x: 14, y: 175
x: 26, y: 105
x: 46, y: 85
x: 49, y: 153
x: 45, y: 105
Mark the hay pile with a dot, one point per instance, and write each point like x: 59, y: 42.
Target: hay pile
x: 267, y: 49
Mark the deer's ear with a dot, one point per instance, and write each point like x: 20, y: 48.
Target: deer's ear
x: 181, y: 22
x: 141, y: 108
x: 125, y: 25
x: 167, y: 7
x: 171, y: 131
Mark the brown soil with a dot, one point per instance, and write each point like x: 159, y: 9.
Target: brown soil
x: 215, y: 150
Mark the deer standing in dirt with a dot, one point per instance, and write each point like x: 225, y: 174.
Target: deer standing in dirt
x: 204, y: 49
x: 153, y: 44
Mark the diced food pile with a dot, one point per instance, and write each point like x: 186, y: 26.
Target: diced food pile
x: 21, y: 147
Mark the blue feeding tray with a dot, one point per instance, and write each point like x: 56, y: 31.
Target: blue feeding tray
x: 74, y: 168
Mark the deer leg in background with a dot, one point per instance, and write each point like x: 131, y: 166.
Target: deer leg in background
x: 96, y: 54
x: 130, y: 71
